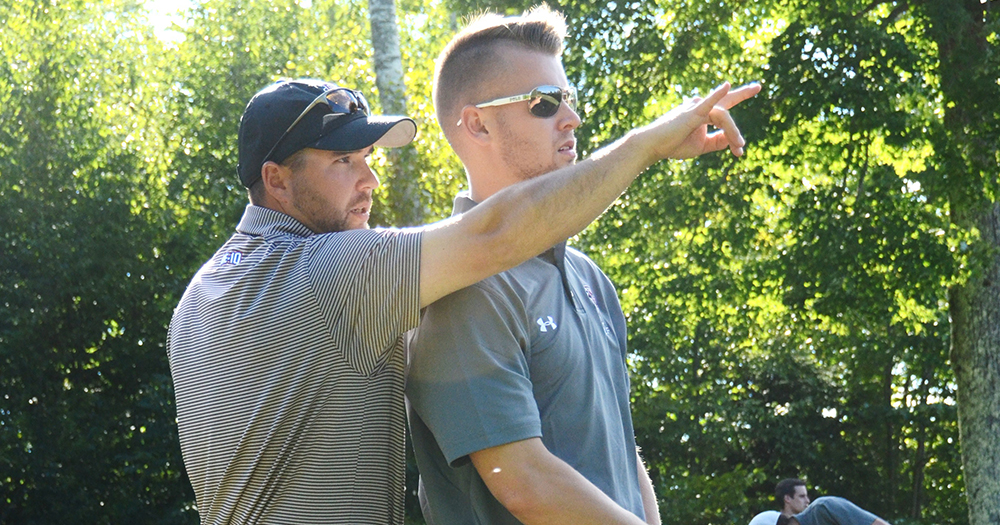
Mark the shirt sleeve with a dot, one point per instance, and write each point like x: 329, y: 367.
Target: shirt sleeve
x: 367, y: 284
x: 469, y: 377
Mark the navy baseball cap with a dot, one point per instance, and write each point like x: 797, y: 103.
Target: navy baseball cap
x: 273, y: 109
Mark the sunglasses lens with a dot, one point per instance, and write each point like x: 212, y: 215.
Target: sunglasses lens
x: 545, y: 101
x: 362, y: 102
x: 347, y: 101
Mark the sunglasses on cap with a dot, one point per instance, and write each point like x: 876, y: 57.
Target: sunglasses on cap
x: 543, y: 101
x: 340, y: 100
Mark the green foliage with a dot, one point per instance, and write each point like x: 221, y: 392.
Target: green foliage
x: 86, y: 424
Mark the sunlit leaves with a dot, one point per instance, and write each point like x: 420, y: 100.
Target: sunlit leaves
x: 82, y: 180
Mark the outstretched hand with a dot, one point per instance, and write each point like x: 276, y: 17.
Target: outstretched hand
x: 683, y: 132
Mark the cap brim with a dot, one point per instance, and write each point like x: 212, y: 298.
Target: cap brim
x: 377, y: 130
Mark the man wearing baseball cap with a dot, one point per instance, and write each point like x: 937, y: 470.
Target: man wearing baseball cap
x: 286, y: 349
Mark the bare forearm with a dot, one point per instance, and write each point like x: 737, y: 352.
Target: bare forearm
x: 649, y: 504
x: 569, y: 498
x: 537, y: 487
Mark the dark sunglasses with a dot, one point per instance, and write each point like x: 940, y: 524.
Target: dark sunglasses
x: 342, y: 101
x: 543, y: 101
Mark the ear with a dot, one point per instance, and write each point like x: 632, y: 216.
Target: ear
x: 275, y: 178
x: 473, y: 124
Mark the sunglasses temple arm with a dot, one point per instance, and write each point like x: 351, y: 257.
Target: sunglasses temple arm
x: 502, y: 101
x: 311, y: 105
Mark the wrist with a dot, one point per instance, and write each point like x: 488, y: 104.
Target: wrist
x: 636, y: 148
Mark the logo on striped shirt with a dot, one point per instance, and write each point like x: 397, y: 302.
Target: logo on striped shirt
x: 233, y: 258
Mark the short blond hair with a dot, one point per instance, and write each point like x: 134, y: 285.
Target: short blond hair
x: 475, y: 56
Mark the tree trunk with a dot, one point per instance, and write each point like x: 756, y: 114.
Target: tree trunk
x: 891, y: 444
x: 920, y: 456
x: 968, y: 83
x: 404, y: 184
x: 975, y: 357
x: 388, y: 59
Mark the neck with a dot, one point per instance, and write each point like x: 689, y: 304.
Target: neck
x: 484, y: 187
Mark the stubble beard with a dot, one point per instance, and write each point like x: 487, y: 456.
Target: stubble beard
x: 522, y: 169
x: 318, y: 210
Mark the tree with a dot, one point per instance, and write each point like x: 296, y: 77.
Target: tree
x: 967, y: 35
x: 952, y: 45
x: 85, y: 419
x: 392, y: 95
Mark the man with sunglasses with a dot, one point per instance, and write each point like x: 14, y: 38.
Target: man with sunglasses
x: 517, y: 390
x: 286, y: 350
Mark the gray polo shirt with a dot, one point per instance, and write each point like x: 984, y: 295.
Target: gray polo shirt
x: 537, y: 351
x: 287, y: 361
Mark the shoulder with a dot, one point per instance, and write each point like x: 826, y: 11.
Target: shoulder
x: 489, y: 311
x: 511, y: 287
x: 361, y: 239
x: 495, y: 295
x: 356, y: 246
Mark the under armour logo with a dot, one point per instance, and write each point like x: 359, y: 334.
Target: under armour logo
x: 545, y: 325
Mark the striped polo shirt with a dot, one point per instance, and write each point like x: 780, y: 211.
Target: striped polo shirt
x: 288, y: 368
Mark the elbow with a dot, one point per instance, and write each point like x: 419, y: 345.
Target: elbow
x: 500, y: 248
x: 520, y: 476
x: 509, y: 249
x: 523, y: 501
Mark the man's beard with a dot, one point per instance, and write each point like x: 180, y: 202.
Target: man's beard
x: 315, y: 207
x: 514, y: 145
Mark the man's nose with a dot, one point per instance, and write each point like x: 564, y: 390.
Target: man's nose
x: 369, y: 180
x: 570, y: 121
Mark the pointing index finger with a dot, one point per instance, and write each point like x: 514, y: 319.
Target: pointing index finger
x: 740, y: 94
x: 713, y: 98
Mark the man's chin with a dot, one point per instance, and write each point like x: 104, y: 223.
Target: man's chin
x: 559, y: 164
